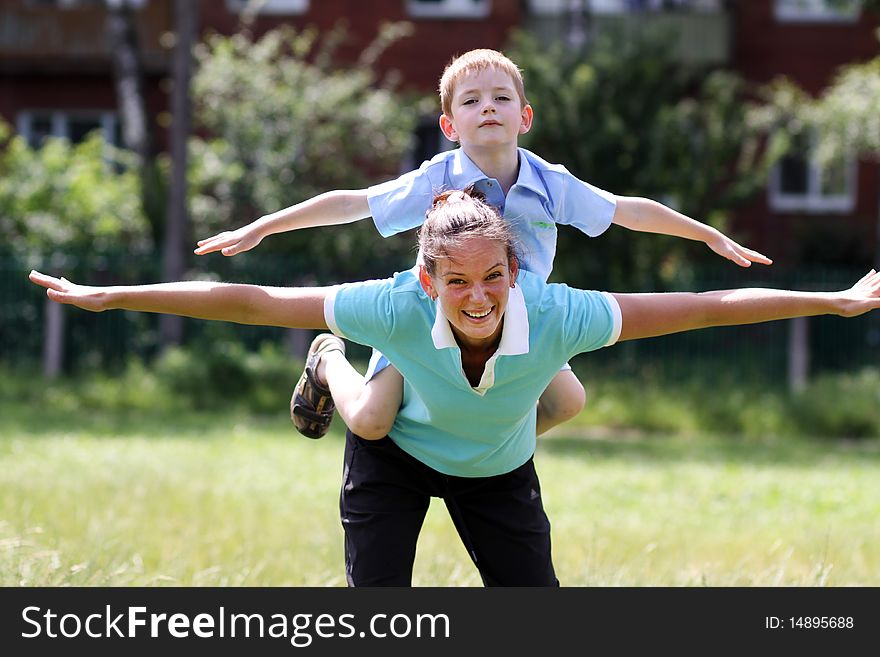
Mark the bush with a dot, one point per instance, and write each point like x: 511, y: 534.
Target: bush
x: 840, y: 405
x: 225, y: 374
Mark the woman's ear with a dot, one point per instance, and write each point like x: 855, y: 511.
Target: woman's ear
x: 513, y: 266
x: 425, y: 280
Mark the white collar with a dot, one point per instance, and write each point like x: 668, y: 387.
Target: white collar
x: 514, y: 332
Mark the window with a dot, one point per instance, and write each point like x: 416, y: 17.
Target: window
x: 448, y: 8
x: 799, y: 183
x: 269, y: 6
x: 817, y: 11
x: 35, y: 125
x: 622, y: 6
x: 83, y: 4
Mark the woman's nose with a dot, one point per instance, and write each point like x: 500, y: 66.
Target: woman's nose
x: 478, y: 294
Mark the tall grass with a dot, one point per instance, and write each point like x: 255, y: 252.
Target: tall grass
x: 122, y: 498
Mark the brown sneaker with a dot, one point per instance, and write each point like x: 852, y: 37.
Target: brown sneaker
x: 311, y: 406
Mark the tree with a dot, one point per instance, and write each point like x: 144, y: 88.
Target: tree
x: 286, y: 123
x: 69, y: 204
x: 626, y: 116
x: 846, y: 120
x: 137, y: 126
x: 177, y: 221
x: 842, y: 121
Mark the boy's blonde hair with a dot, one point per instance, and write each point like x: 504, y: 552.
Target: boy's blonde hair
x: 475, y: 61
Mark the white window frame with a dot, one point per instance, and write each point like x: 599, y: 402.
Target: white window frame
x: 270, y: 7
x: 61, y: 119
x: 79, y: 4
x: 449, y: 8
x: 813, y: 200
x: 612, y: 7
x: 814, y: 11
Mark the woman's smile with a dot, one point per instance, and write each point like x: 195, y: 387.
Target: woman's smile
x: 472, y: 284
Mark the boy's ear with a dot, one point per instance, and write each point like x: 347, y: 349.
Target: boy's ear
x: 425, y: 280
x: 448, y: 128
x: 526, y: 123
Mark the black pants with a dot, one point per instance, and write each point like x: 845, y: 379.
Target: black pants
x: 385, y: 496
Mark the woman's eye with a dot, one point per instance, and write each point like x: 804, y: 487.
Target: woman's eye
x: 494, y: 274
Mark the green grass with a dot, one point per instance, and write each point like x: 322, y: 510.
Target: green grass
x: 121, y: 499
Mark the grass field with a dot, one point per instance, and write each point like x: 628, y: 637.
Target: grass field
x: 120, y: 499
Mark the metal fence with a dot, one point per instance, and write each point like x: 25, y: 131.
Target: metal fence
x: 108, y: 340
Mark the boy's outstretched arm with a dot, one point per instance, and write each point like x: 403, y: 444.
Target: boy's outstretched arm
x: 649, y: 216
x: 327, y: 209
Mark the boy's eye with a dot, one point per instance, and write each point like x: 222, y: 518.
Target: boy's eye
x: 469, y: 101
x: 503, y: 98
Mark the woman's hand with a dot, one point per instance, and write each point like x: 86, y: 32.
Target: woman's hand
x: 62, y: 290
x: 861, y: 297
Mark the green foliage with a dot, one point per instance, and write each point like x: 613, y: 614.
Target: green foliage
x: 626, y: 116
x: 841, y: 405
x: 846, y: 114
x: 225, y: 374
x: 843, y: 119
x: 62, y: 197
x: 287, y: 124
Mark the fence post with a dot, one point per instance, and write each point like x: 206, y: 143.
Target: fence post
x: 53, y: 339
x: 798, y: 353
x: 298, y: 341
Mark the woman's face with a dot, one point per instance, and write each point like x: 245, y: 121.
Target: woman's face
x: 473, y: 284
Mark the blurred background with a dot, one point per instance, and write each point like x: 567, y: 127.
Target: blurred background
x: 131, y: 129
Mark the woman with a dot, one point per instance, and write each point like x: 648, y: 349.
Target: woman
x: 476, y: 342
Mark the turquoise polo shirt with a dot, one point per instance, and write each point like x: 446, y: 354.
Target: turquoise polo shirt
x: 544, y: 195
x: 444, y: 422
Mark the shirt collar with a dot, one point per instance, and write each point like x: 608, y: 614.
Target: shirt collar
x: 465, y: 172
x: 529, y: 176
x: 514, y: 332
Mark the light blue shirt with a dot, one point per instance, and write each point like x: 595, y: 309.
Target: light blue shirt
x: 444, y: 422
x: 544, y: 195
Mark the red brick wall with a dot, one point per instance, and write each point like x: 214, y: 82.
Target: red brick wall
x: 419, y: 58
x: 809, y: 53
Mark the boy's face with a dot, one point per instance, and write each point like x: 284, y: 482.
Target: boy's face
x: 486, y: 111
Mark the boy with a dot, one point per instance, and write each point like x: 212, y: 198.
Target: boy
x: 484, y: 109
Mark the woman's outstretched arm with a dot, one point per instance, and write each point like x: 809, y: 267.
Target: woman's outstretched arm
x: 244, y: 304
x: 647, y: 315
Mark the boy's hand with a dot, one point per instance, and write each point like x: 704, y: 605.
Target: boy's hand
x: 230, y: 242
x: 63, y: 291
x: 727, y: 248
